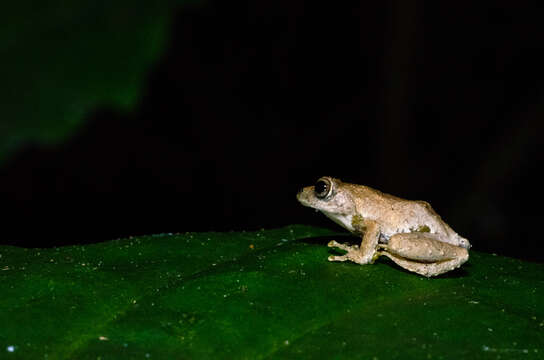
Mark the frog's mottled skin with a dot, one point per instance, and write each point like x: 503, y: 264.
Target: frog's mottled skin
x: 408, y: 232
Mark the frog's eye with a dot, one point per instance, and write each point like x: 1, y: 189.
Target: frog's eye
x: 322, y: 188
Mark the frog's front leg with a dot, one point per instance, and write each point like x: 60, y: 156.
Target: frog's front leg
x: 366, y: 253
x: 423, y: 253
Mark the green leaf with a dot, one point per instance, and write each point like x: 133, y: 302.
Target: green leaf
x: 62, y: 59
x: 265, y: 294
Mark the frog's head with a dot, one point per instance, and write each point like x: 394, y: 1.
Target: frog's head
x: 329, y: 196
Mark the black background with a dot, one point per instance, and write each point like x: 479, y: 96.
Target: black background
x: 438, y: 101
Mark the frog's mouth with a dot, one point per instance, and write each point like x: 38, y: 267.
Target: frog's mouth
x: 307, y: 203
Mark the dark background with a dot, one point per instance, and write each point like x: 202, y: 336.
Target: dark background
x: 442, y: 102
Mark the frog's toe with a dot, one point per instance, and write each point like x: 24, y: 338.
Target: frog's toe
x: 335, y: 244
x: 337, y: 258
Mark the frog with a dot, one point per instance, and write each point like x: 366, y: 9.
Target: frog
x: 409, y: 232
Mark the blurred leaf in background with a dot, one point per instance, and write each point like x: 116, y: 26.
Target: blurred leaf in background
x: 61, y: 59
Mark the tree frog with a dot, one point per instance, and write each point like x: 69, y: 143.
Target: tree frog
x: 408, y: 232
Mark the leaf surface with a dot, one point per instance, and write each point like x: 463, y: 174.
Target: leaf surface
x: 259, y: 295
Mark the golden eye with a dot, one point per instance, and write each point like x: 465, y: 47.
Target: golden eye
x: 322, y: 188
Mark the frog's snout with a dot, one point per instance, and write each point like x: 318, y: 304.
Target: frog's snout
x: 302, y: 196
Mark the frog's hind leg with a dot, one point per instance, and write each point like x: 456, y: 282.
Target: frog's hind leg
x: 423, y: 253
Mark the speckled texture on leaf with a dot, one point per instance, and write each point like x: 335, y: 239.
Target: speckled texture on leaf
x: 254, y: 295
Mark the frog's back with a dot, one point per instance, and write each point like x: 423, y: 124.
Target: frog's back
x: 401, y: 215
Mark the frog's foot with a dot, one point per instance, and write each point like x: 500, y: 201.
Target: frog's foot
x: 353, y: 253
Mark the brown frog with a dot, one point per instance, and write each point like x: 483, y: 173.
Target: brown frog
x: 408, y: 232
